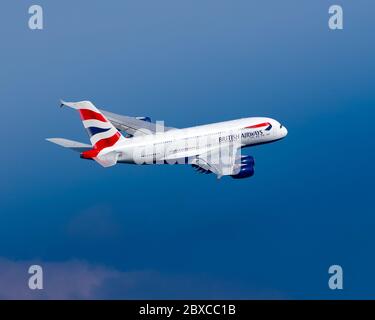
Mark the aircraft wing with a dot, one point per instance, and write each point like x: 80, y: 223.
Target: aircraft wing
x: 132, y: 125
x: 223, y: 160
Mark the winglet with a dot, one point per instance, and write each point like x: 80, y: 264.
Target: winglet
x: 76, y: 105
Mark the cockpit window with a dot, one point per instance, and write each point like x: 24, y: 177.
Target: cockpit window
x: 281, y: 126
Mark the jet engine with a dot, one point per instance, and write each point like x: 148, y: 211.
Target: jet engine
x: 247, y: 167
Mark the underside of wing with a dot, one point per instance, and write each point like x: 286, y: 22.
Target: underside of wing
x: 225, y: 160
x: 220, y: 160
x: 133, y: 125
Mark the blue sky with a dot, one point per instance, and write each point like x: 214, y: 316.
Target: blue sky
x: 165, y: 231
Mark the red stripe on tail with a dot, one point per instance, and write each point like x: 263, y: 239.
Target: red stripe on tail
x: 91, y: 115
x: 108, y: 142
x: 89, y: 154
x: 100, y: 145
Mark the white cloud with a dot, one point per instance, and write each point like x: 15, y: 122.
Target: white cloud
x: 62, y: 280
x: 81, y: 280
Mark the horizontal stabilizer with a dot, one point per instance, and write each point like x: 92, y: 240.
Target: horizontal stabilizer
x: 70, y: 144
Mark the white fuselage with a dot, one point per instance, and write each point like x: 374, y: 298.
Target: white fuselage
x: 174, y: 145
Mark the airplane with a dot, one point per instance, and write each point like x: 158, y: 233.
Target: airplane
x: 211, y: 148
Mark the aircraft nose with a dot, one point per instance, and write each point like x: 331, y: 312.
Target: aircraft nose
x: 284, y: 132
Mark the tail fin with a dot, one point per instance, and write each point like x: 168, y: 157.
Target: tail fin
x: 102, y: 132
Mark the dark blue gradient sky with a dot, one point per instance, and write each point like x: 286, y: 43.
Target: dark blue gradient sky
x: 165, y: 231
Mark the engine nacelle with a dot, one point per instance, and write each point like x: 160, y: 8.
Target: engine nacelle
x: 247, y: 159
x: 247, y: 168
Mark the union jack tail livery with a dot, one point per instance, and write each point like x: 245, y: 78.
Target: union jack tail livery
x: 102, y: 132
